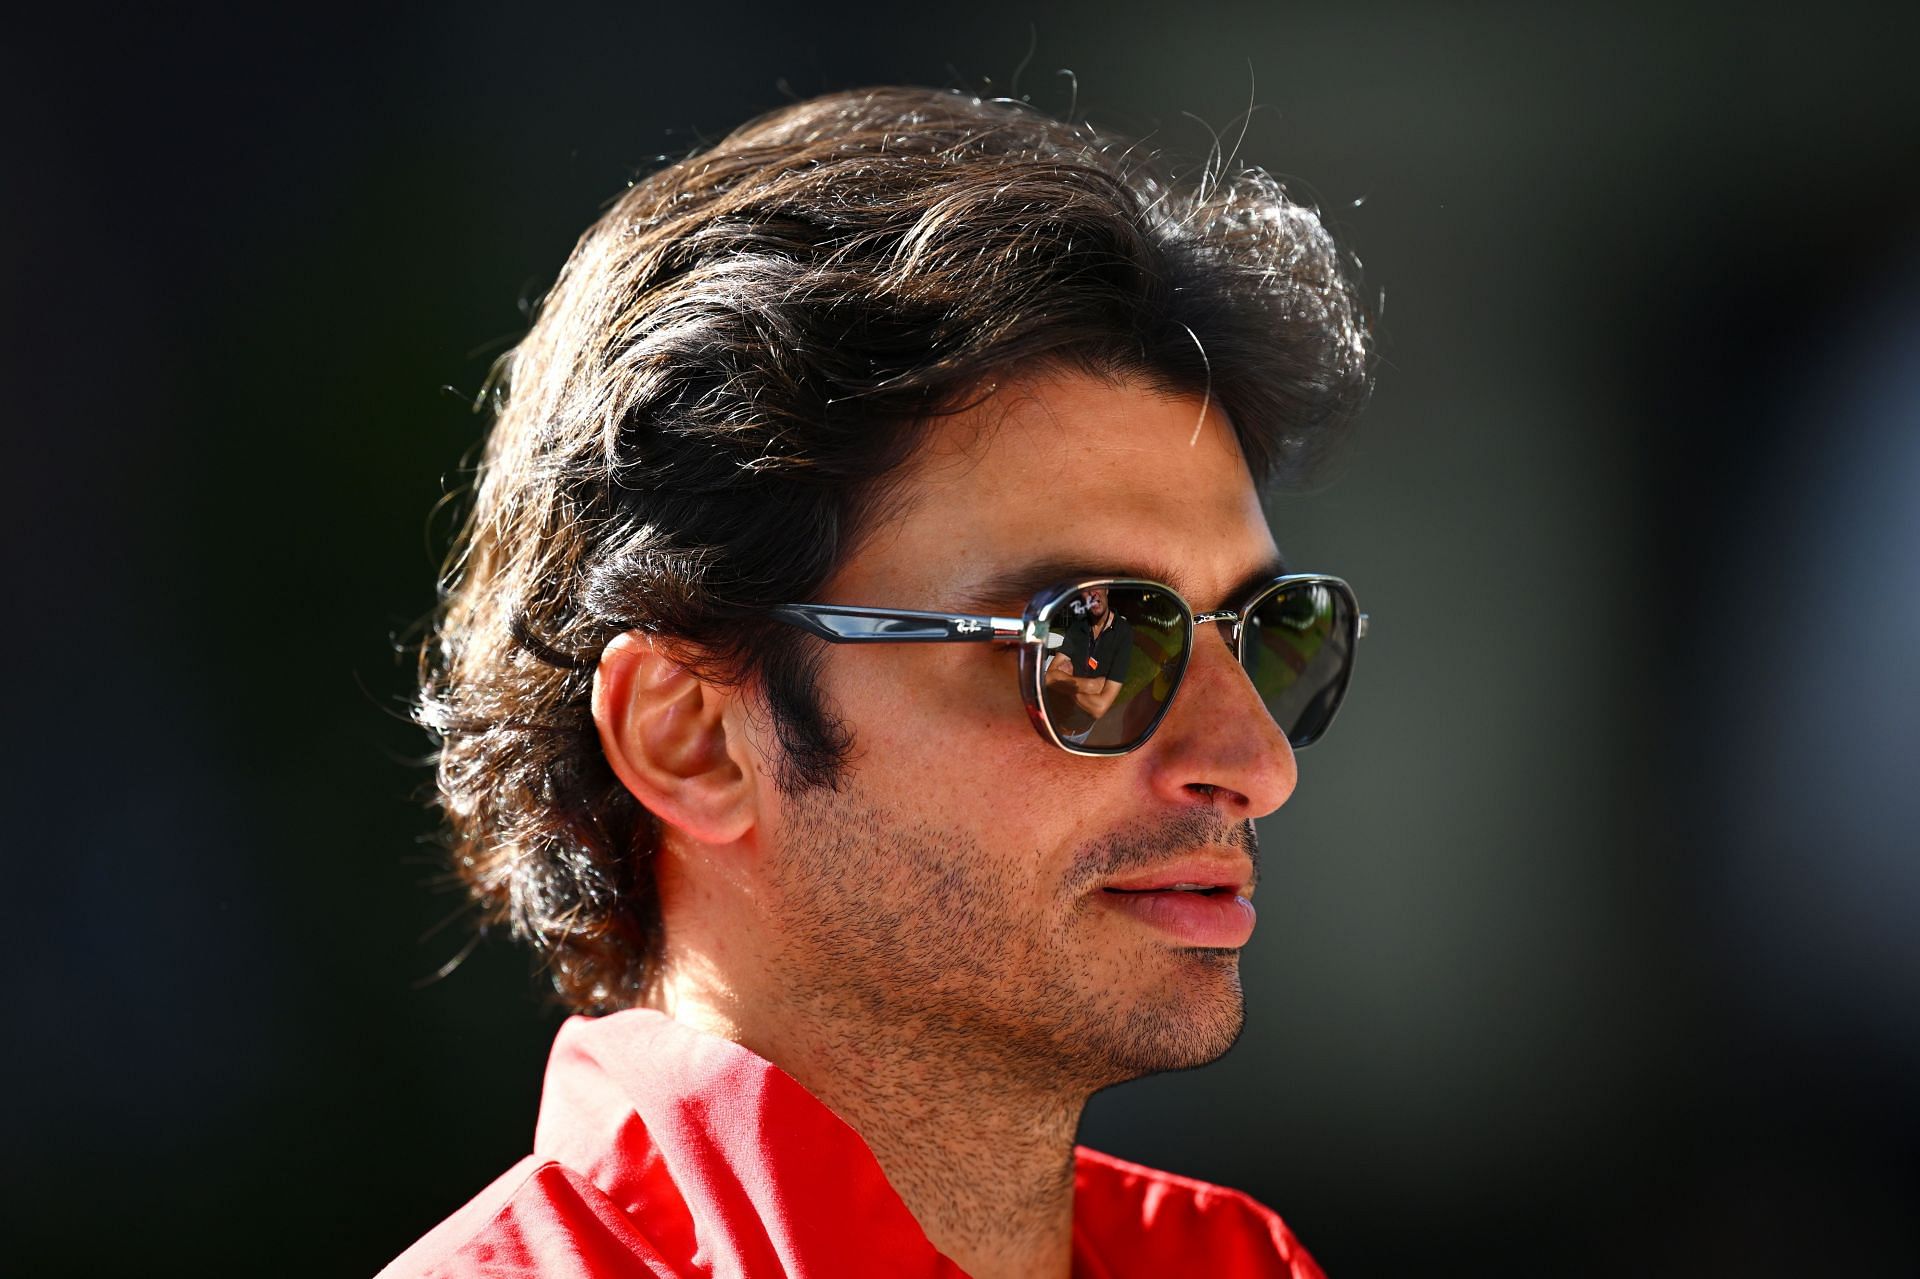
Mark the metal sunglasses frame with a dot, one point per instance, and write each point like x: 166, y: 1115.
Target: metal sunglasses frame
x: 1033, y: 631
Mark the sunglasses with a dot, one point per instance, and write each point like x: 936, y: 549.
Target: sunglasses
x: 1101, y: 659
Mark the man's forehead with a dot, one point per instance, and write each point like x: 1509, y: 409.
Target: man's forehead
x: 1050, y: 414
x: 1069, y: 478
x: 1002, y: 589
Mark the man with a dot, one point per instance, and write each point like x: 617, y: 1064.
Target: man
x: 1091, y: 664
x: 748, y: 724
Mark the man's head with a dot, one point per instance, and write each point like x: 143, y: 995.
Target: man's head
x: 883, y: 348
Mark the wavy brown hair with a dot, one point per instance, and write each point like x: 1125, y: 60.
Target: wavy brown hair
x: 703, y: 419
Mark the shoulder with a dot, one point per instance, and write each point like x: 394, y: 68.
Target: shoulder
x: 1139, y: 1220
x: 539, y: 1220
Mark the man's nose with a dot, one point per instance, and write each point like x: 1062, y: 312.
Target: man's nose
x: 1219, y: 743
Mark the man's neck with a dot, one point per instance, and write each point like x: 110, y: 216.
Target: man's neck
x: 984, y: 1163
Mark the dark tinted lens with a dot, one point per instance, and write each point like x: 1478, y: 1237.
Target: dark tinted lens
x: 1298, y: 647
x: 1114, y: 657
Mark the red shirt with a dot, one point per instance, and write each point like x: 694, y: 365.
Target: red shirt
x: 662, y: 1151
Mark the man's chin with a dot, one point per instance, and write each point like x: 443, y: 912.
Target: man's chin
x: 1185, y: 1029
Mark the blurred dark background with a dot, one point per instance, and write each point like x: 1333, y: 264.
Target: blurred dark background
x: 1589, y: 943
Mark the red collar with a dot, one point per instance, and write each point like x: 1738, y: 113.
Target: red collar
x: 720, y: 1156
x: 663, y: 1147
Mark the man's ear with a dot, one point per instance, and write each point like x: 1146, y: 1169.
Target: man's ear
x: 664, y: 731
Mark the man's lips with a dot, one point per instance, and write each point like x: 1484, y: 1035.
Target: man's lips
x: 1199, y: 902
x: 1218, y: 874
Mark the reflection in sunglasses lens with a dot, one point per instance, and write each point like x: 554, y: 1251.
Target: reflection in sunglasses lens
x: 1297, y: 643
x: 1116, y: 655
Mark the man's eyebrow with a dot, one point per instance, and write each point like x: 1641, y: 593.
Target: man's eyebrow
x: 1007, y: 591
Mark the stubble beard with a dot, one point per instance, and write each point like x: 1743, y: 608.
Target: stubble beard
x: 914, y: 937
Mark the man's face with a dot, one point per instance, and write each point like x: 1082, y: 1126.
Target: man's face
x: 960, y: 888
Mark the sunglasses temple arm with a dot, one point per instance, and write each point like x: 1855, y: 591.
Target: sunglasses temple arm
x: 841, y: 625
